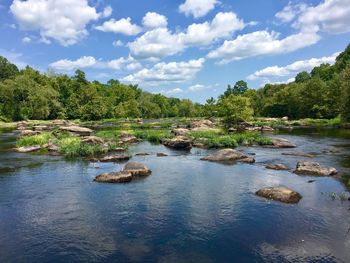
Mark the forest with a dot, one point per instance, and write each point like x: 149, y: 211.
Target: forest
x: 324, y: 93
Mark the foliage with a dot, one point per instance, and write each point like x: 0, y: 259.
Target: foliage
x: 153, y: 136
x: 40, y: 139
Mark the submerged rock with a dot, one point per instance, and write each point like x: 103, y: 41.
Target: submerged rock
x: 315, y: 169
x: 141, y: 154
x: 277, y: 167
x: 178, y: 143
x: 282, y: 143
x: 81, y: 131
x: 115, y: 158
x: 137, y: 169
x: 227, y: 155
x: 121, y: 177
x: 282, y: 194
x: 161, y: 155
x: 300, y: 154
x: 28, y: 149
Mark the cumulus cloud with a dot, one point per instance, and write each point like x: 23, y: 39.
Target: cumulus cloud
x: 161, y: 42
x: 197, y: 8
x: 173, y: 91
x: 293, y: 68
x: 197, y: 87
x: 91, y: 62
x: 261, y: 43
x: 122, y: 26
x: 290, y: 11
x: 167, y: 72
x: 107, y: 12
x: 118, y: 43
x: 64, y: 21
x: 26, y: 40
x: 154, y: 20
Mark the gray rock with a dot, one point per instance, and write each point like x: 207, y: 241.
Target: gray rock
x: 226, y: 155
x: 137, y: 169
x: 29, y: 133
x: 277, y: 167
x: 282, y: 143
x: 315, y: 169
x: 28, y: 149
x: 127, y: 138
x: 81, y: 131
x: 300, y: 154
x: 282, y: 194
x: 161, y: 155
x: 180, y: 131
x: 178, y: 143
x: 114, y: 158
x: 121, y: 177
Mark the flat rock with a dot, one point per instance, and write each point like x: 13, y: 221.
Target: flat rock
x: 315, y: 169
x: 28, y: 149
x: 93, y: 140
x: 161, y: 155
x: 247, y: 160
x: 226, y: 155
x: 121, y: 177
x: 127, y: 138
x: 282, y: 194
x: 300, y: 154
x: 115, y: 158
x: 82, y: 131
x: 29, y: 133
x: 178, y: 143
x: 282, y: 143
x: 280, y: 167
x: 204, y: 124
x: 180, y: 131
x: 137, y: 169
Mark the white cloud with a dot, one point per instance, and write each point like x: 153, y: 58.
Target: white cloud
x: 292, y: 69
x: 197, y: 8
x: 290, y: 11
x: 173, y: 91
x: 153, y: 20
x: 331, y: 16
x: 161, y: 42
x: 261, y: 43
x: 107, y: 12
x: 91, y: 62
x: 14, y: 57
x: 167, y: 72
x: 122, y: 26
x: 197, y: 87
x: 66, y: 64
x: 118, y: 43
x: 26, y: 40
x: 64, y: 20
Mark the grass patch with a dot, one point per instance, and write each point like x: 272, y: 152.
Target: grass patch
x: 153, y: 136
x: 40, y: 139
x: 109, y: 134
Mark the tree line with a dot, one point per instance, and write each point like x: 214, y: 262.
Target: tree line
x: 29, y: 94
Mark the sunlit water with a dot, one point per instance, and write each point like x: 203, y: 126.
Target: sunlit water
x: 187, y: 211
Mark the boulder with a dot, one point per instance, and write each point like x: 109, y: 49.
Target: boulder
x: 29, y: 133
x: 93, y: 140
x: 300, y: 154
x: 114, y: 158
x: 127, y: 138
x: 280, y: 167
x: 137, y: 169
x: 178, y: 143
x: 315, y: 169
x: 282, y: 143
x: 180, y: 131
x: 161, y: 155
x: 202, y: 124
x: 282, y: 194
x: 81, y: 131
x: 225, y: 155
x: 28, y: 149
x: 247, y: 160
x: 121, y: 177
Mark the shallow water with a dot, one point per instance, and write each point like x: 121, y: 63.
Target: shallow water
x: 187, y: 211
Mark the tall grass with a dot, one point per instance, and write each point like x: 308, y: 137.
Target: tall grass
x: 40, y: 139
x: 153, y: 136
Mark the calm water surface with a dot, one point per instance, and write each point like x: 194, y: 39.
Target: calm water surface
x: 187, y: 211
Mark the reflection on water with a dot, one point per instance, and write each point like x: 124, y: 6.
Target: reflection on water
x: 186, y: 211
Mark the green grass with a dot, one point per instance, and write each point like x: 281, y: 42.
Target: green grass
x: 153, y: 136
x: 109, y: 134
x: 217, y: 139
x: 40, y: 139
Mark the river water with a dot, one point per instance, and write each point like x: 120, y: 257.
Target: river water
x: 187, y: 211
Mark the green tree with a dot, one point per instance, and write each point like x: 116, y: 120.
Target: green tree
x: 7, y: 69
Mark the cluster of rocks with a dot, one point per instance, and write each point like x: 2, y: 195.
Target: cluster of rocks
x: 130, y: 171
x: 228, y: 156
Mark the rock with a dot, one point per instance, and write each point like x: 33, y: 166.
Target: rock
x: 199, y: 145
x: 28, y: 149
x: 119, y: 149
x: 247, y: 160
x: 282, y: 194
x: 300, y: 154
x: 51, y: 147
x: 285, y: 118
x: 137, y: 169
x: 121, y: 177
x: 277, y: 167
x: 60, y: 123
x: 115, y: 158
x: 81, y: 131
x: 180, y: 131
x: 141, y: 154
x: 267, y: 128
x: 202, y: 124
x: 127, y: 138
x: 225, y: 155
x: 178, y: 143
x: 310, y: 181
x: 282, y: 143
x: 161, y: 155
x: 93, y: 140
x: 41, y: 128
x: 315, y: 169
x: 232, y: 130
x: 29, y: 133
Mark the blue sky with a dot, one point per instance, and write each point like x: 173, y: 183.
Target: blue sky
x: 182, y: 48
